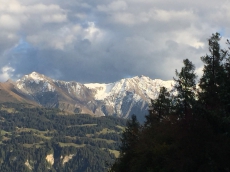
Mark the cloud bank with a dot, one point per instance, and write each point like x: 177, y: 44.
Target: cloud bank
x: 104, y: 41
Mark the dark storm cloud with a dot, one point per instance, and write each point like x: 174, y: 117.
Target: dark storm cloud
x: 104, y: 41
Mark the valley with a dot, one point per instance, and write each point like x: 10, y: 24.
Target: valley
x: 43, y: 139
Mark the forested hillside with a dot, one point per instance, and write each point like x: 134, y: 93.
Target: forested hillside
x: 42, y: 140
x: 187, y: 129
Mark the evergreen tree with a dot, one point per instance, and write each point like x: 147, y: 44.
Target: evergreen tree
x: 160, y: 107
x: 225, y: 92
x: 213, y: 76
x: 225, y: 96
x: 127, y: 149
x: 212, y: 84
x: 130, y: 135
x: 185, y: 86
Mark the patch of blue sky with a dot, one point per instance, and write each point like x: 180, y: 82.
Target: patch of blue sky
x: 22, y: 47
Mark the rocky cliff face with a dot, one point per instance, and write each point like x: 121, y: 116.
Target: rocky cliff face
x: 68, y: 96
x: 128, y: 96
x: 122, y: 98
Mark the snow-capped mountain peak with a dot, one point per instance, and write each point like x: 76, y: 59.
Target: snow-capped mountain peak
x: 37, y: 77
x: 122, y: 98
x: 141, y: 84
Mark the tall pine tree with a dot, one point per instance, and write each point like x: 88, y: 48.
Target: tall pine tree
x: 185, y: 85
x: 224, y: 92
x: 213, y: 75
x: 160, y: 107
x: 213, y: 83
x: 127, y: 149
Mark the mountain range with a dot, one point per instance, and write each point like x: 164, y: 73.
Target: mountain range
x: 122, y: 98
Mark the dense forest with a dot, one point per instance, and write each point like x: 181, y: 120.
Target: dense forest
x: 45, y: 140
x: 188, y: 128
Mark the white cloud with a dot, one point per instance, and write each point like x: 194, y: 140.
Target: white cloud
x: 54, y: 18
x: 113, y: 6
x: 111, y: 38
x: 6, y: 73
x: 189, y: 37
x: 199, y: 72
x: 42, y: 8
x: 92, y: 33
x: 66, y: 36
x: 8, y: 23
x: 58, y: 39
x: 168, y: 16
x: 29, y: 20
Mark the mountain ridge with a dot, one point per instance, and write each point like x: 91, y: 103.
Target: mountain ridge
x: 121, y: 98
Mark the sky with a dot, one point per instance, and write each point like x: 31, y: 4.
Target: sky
x: 105, y: 41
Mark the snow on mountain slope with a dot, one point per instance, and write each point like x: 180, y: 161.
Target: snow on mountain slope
x: 124, y: 97
x: 121, y: 98
x: 35, y: 79
x: 141, y: 84
x: 69, y: 96
x: 102, y: 90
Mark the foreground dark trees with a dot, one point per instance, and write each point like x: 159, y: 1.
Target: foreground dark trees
x: 186, y: 131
